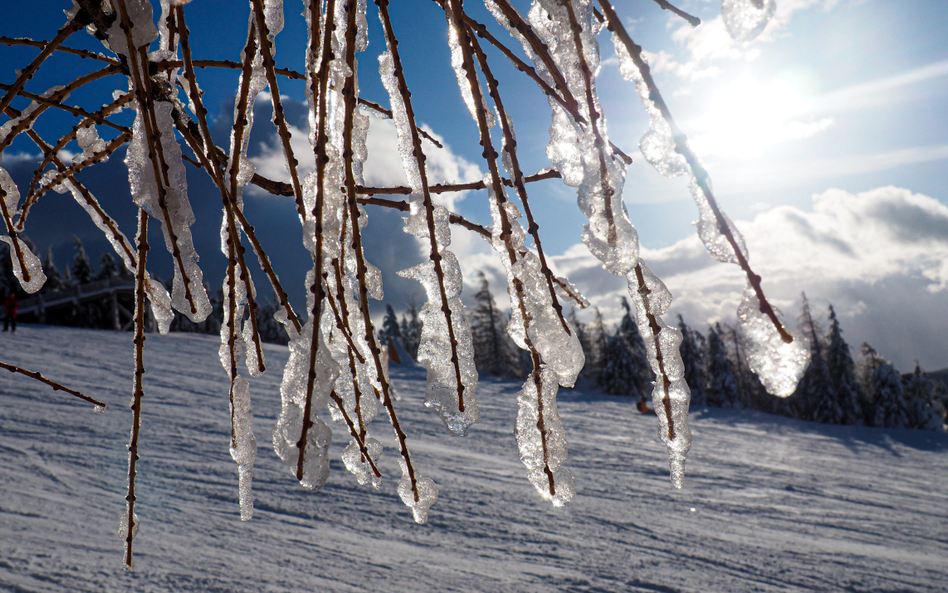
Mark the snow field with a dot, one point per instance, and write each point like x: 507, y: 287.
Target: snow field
x: 778, y: 505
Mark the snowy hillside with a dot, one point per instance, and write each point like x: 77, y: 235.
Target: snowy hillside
x: 769, y: 504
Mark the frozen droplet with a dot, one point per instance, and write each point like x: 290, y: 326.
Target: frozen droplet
x: 419, y: 499
x: 745, y: 19
x: 778, y: 364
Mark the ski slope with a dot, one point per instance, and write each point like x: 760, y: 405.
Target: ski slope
x: 769, y: 504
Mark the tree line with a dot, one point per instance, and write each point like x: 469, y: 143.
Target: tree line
x: 836, y: 388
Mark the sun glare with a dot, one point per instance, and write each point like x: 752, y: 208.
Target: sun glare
x: 746, y: 117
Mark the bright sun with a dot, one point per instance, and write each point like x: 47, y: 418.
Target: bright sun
x: 746, y: 117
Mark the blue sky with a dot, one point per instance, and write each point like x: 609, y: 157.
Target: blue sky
x: 825, y: 137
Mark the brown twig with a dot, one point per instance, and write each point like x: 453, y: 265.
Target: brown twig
x: 139, y: 392
x: 27, y: 73
x: 82, y: 53
x: 692, y: 20
x: 56, y: 386
x: 654, y: 329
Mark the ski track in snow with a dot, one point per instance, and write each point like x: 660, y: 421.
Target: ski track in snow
x: 780, y: 505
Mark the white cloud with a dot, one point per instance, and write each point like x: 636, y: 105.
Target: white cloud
x: 711, y: 42
x: 879, y: 257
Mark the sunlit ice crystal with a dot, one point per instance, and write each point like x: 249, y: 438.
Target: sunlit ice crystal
x: 745, y: 19
x: 541, y: 440
x: 419, y: 499
x: 243, y: 447
x: 778, y: 364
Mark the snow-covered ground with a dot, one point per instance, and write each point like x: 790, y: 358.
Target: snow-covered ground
x: 769, y: 504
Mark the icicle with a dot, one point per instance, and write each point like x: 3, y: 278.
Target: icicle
x: 670, y: 394
x: 778, y: 364
x: 26, y: 114
x: 289, y: 427
x: 541, y: 439
x: 18, y: 247
x: 243, y: 447
x: 434, y: 351
x: 123, y: 529
x: 745, y: 19
x: 145, y: 192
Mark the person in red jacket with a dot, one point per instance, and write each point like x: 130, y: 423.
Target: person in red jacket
x: 10, y: 307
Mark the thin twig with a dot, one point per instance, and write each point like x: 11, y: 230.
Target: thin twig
x: 139, y: 391
x: 692, y: 20
x: 56, y: 386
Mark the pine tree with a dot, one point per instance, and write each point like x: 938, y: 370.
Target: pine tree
x: 494, y: 351
x: 692, y: 357
x: 54, y: 282
x: 722, y: 390
x: 842, y: 370
x: 82, y: 271
x: 390, y: 329
x: 882, y: 386
x: 816, y: 392
x: 629, y: 332
x: 107, y: 267
x: 410, y: 328
x: 618, y: 373
x: 598, y: 344
x: 919, y: 399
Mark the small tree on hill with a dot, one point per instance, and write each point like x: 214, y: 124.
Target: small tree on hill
x: 842, y: 370
x: 693, y: 358
x: 494, y: 351
x: 107, y: 267
x: 723, y: 390
x: 82, y: 271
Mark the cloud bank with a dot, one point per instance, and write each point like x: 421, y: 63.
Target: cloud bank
x: 880, y: 257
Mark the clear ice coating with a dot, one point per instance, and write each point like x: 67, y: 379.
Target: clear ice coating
x: 779, y: 365
x: 457, y: 62
x: 541, y: 440
x: 146, y: 193
x: 243, y: 447
x: 709, y: 231
x: 670, y: 393
x: 446, y: 376
x: 427, y: 493
x: 434, y: 351
x: 745, y: 19
x: 34, y: 269
x: 289, y: 427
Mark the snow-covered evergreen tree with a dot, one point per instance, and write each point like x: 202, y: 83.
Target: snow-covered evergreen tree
x: 82, y: 271
x: 628, y: 332
x: 494, y: 351
x: 618, y: 375
x: 920, y: 401
x: 692, y: 356
x: 410, y: 327
x: 598, y: 344
x: 723, y: 390
x: 842, y: 370
x: 816, y: 392
x: 107, y: 267
x: 390, y: 328
x: 884, y: 403
x: 54, y: 282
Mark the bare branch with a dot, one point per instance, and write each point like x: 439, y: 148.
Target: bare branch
x: 56, y: 386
